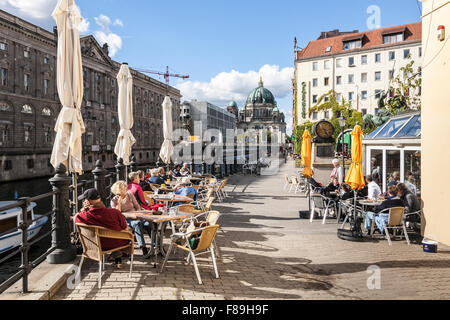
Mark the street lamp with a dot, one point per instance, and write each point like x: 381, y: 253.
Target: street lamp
x: 342, y: 125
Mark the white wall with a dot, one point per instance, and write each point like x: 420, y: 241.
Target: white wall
x: 435, y: 121
x: 306, y: 74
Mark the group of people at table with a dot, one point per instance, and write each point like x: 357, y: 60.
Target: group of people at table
x: 397, y: 195
x: 129, y: 197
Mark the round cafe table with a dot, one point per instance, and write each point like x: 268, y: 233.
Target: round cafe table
x: 158, y: 225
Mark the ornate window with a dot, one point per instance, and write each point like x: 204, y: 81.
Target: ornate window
x: 28, y: 134
x: 4, y: 134
x: 101, y: 133
x: 3, y: 76
x: 27, y: 109
x: 47, y: 112
x: 47, y: 135
x: 4, y: 107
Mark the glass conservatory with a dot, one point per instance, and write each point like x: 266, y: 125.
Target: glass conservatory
x: 395, y: 146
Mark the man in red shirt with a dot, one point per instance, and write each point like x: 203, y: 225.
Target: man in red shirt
x: 95, y: 213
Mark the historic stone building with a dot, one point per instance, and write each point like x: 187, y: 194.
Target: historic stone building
x: 29, y: 103
x: 261, y: 113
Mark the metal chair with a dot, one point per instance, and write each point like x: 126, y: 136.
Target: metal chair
x: 90, y: 240
x: 288, y: 182
x: 321, y: 205
x: 205, y: 245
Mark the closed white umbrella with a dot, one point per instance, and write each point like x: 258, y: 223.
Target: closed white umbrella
x: 125, y: 140
x: 167, y: 147
x: 69, y: 126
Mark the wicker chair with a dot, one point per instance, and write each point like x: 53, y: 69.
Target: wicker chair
x: 147, y: 196
x: 205, y: 245
x: 90, y: 240
x: 395, y: 222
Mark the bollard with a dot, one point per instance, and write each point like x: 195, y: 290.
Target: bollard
x: 120, y: 170
x: 99, y: 179
x: 64, y: 251
x: 133, y: 164
x: 25, y: 248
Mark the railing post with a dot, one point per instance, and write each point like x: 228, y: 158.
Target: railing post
x: 65, y: 252
x: 133, y: 164
x: 25, y: 248
x: 203, y: 167
x: 120, y: 170
x: 99, y: 179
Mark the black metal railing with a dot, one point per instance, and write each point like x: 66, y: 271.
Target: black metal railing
x: 65, y: 205
x: 25, y: 222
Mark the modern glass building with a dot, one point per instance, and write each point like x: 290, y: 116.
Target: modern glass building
x: 395, y: 146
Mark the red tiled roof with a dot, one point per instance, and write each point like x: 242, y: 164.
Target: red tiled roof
x: 371, y: 39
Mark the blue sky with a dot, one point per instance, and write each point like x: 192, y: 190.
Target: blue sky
x: 222, y: 45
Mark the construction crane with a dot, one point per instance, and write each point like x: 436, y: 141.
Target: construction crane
x: 166, y: 75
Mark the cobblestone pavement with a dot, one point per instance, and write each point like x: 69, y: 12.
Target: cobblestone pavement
x: 267, y: 252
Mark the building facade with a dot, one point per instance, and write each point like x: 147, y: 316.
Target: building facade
x: 29, y: 103
x: 211, y: 116
x: 261, y: 112
x: 358, y: 66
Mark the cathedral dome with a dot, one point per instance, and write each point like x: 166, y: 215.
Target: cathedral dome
x: 232, y: 104
x: 260, y: 95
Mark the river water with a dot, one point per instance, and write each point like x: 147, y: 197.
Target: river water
x: 27, y: 188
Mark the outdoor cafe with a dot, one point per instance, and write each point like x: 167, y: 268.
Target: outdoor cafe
x: 383, y: 202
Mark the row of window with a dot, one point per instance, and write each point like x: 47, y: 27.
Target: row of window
x: 351, y: 95
x: 26, y: 108
x: 351, y: 78
x: 364, y: 59
x: 326, y: 114
x: 26, y: 53
x: 26, y: 81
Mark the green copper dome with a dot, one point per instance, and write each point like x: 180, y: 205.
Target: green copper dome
x: 275, y: 109
x: 232, y: 104
x: 261, y: 95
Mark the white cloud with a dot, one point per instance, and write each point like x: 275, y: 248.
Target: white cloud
x: 118, y: 22
x: 105, y: 35
x: 36, y: 9
x: 84, y: 26
x: 237, y: 85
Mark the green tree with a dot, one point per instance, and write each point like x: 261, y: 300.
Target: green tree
x: 404, y: 92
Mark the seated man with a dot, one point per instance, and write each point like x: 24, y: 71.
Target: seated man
x: 95, y: 213
x: 412, y: 204
x: 163, y: 175
x: 155, y: 178
x: 184, y: 188
x: 176, y: 171
x: 185, y: 170
x: 332, y: 187
x: 144, y: 185
x: 373, y: 188
x: 382, y: 218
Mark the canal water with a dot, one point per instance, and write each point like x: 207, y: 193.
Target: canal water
x: 27, y: 188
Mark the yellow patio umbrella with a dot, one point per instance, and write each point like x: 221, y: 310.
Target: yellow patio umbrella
x: 355, y: 176
x: 306, y: 154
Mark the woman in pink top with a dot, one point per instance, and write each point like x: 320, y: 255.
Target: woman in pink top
x: 136, y: 190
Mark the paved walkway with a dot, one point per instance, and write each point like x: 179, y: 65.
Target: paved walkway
x: 267, y: 252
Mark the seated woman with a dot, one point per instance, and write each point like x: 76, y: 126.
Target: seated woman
x: 135, y: 189
x: 184, y: 171
x: 124, y: 201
